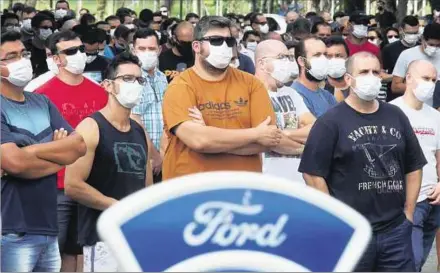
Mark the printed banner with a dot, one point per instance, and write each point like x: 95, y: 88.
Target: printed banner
x: 233, y: 221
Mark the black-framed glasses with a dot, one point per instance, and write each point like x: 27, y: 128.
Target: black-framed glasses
x: 132, y: 79
x: 219, y: 40
x: 94, y: 53
x: 72, y: 50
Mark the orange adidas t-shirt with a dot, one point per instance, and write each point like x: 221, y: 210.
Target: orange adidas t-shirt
x: 238, y: 101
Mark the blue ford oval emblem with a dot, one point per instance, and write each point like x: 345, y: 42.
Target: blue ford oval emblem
x: 233, y: 221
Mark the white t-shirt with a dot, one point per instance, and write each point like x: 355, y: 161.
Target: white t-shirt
x: 39, y: 81
x: 426, y: 125
x: 288, y: 106
x: 414, y: 54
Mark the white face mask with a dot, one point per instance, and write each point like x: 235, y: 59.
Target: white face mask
x: 411, y: 39
x: 374, y: 42
x: 235, y: 63
x: 336, y: 68
x: 112, y: 32
x: 27, y: 24
x: 319, y: 67
x: 130, y: 26
x: 60, y: 13
x: 360, y: 31
x: 45, y: 33
x: 294, y: 70
x: 219, y: 56
x: 101, y: 53
x: 431, y: 51
x: 424, y: 90
x: 281, y: 70
x: 91, y: 58
x: 252, y: 46
x: 76, y: 63
x: 247, y: 28
x: 392, y: 40
x: 20, y: 72
x: 264, y: 28
x: 52, y: 65
x: 367, y: 87
x: 149, y: 59
x: 130, y: 94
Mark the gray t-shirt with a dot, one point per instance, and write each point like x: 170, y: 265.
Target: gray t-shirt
x: 414, y: 54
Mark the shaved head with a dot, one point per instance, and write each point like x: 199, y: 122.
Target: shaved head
x: 269, y: 48
x: 420, y: 66
x: 291, y: 17
x: 184, y: 28
x: 353, y: 63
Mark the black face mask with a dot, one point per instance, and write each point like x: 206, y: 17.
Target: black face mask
x: 185, y: 48
x: 311, y: 78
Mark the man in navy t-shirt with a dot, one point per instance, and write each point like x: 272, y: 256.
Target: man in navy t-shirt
x: 36, y: 143
x: 371, y: 160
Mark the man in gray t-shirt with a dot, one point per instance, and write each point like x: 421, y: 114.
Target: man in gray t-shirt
x: 428, y: 50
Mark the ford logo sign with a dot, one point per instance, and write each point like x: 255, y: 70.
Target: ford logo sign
x: 233, y: 221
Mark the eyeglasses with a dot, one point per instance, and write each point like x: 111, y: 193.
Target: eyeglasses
x: 392, y: 36
x: 16, y: 56
x: 72, y: 50
x: 132, y: 79
x: 372, y: 38
x: 219, y: 40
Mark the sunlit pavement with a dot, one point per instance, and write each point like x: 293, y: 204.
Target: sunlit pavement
x: 431, y: 263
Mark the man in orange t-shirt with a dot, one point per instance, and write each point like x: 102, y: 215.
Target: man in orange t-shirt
x: 240, y: 122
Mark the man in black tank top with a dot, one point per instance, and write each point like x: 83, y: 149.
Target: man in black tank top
x: 117, y: 159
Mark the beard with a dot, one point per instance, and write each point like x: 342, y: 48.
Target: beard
x: 209, y: 67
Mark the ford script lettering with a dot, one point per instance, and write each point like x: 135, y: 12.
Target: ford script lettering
x: 215, y: 220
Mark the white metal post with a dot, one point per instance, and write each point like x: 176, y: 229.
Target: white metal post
x: 423, y: 7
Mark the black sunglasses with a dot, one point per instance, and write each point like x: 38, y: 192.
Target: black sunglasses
x: 132, y: 79
x: 45, y: 27
x: 393, y: 36
x: 73, y: 50
x: 219, y: 40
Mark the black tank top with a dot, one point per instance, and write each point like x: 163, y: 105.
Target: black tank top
x: 118, y: 170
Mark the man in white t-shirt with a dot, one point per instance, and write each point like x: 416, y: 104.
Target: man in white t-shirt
x: 45, y: 77
x: 425, y: 120
x: 429, y: 50
x: 273, y: 66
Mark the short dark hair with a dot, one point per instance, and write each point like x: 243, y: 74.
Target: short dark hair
x: 338, y: 14
x: 93, y: 35
x: 101, y: 23
x: 168, y: 22
x: 409, y: 20
x: 146, y: 15
x: 81, y: 30
x: 8, y: 15
x: 432, y: 31
x: 122, y: 32
x: 248, y: 16
x: 337, y: 40
x: 254, y: 16
x: 18, y: 7
x: 87, y: 19
x: 41, y: 17
x: 359, y: 19
x: 157, y: 14
x: 249, y: 33
x: 122, y: 13
x: 311, y: 14
x: 300, y: 26
x: 209, y: 22
x: 123, y: 58
x: 28, y: 10
x: 314, y: 29
x: 300, y: 49
x: 144, y: 33
x: 64, y: 35
x: 88, y: 11
x: 111, y: 18
x: 10, y: 36
x: 62, y: 2
x: 191, y: 15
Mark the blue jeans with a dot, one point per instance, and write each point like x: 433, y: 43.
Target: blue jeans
x: 389, y: 251
x: 27, y: 253
x: 426, y: 222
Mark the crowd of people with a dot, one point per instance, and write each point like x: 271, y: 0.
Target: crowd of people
x: 92, y: 111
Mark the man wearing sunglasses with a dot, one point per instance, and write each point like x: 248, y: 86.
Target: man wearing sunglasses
x: 235, y: 107
x: 180, y: 57
x: 95, y: 64
x: 259, y: 23
x: 36, y: 143
x: 77, y: 97
x: 117, y: 162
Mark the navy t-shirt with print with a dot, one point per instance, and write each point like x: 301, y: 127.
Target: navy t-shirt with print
x: 364, y: 159
x: 29, y: 205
